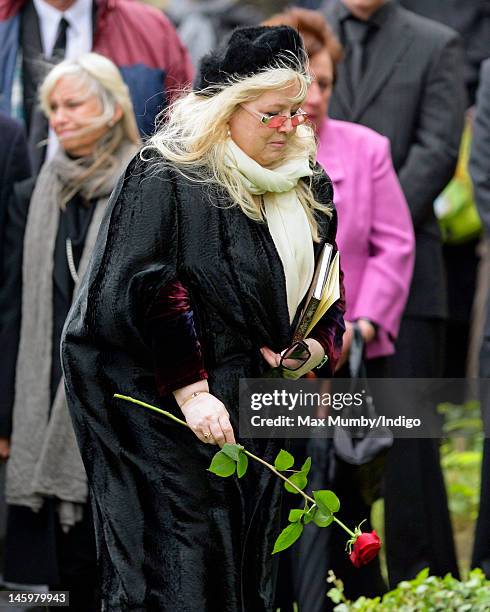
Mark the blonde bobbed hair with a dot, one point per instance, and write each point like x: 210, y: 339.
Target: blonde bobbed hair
x: 97, y: 76
x: 193, y: 134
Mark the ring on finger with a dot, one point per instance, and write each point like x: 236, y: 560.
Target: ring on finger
x: 207, y: 435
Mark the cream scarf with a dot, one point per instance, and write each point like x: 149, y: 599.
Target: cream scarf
x: 286, y: 217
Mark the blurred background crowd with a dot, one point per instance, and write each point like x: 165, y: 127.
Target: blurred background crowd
x: 400, y: 102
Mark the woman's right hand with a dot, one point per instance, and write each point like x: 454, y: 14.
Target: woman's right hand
x: 206, y: 415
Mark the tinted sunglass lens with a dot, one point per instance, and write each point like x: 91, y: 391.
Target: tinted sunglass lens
x: 276, y: 121
x: 299, y: 119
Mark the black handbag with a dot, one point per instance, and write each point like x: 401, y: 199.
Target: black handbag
x: 361, y: 459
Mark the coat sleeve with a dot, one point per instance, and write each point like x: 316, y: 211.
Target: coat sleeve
x: 131, y: 299
x: 480, y: 150
x: 10, y: 306
x: 176, y: 347
x: 16, y: 169
x: 385, y: 282
x: 432, y: 158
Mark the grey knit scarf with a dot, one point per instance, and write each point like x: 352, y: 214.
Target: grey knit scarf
x: 44, y: 459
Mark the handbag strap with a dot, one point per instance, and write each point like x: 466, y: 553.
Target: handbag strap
x: 357, y: 367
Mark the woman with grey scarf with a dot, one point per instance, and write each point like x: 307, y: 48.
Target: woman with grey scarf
x: 51, y: 229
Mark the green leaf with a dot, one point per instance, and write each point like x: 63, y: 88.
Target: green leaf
x: 242, y: 464
x: 288, y: 537
x: 309, y: 515
x: 335, y: 595
x: 284, y: 460
x: 299, y: 479
x: 232, y: 450
x: 295, y: 515
x: 305, y: 468
x: 327, y: 501
x: 322, y: 520
x: 222, y: 465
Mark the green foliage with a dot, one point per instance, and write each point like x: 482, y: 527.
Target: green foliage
x: 327, y: 501
x: 461, y: 459
x: 234, y: 458
x: 320, y: 509
x: 322, y: 520
x: 422, y: 594
x: 229, y: 459
x: 295, y: 515
x: 305, y: 468
x: 288, y: 537
x: 232, y: 450
x: 284, y: 461
x: 242, y: 464
x: 222, y: 465
x: 299, y: 479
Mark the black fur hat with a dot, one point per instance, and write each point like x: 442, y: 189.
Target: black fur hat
x: 248, y: 51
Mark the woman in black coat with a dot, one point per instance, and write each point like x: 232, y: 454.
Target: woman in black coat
x: 203, y: 260
x: 50, y: 231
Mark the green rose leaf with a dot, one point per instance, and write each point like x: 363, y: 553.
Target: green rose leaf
x: 284, y: 460
x: 327, y: 501
x: 295, y: 515
x: 288, y: 537
x: 242, y: 464
x: 222, y: 465
x: 299, y: 479
x: 305, y: 468
x: 309, y: 516
x: 322, y: 520
x: 232, y: 450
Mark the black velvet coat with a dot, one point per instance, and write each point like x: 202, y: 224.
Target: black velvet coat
x: 170, y: 535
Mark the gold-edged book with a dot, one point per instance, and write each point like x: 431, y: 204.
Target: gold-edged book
x: 323, y: 292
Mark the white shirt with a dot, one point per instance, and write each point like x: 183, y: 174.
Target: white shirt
x: 78, y: 37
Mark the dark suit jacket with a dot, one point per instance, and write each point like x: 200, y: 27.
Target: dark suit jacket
x: 14, y: 166
x: 471, y: 18
x: 480, y: 150
x: 413, y: 93
x: 480, y: 174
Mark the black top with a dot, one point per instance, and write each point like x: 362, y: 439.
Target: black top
x: 74, y: 223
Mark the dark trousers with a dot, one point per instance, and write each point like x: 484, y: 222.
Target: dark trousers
x: 37, y: 551
x: 418, y: 529
x: 77, y: 565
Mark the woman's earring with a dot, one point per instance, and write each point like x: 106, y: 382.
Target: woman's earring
x: 228, y: 133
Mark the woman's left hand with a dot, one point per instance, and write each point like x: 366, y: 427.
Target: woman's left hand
x: 274, y: 359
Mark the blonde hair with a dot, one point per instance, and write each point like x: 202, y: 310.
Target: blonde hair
x: 194, y: 131
x: 98, y: 76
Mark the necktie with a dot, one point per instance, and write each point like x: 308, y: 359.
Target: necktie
x: 39, y: 129
x: 355, y: 32
x: 59, y: 48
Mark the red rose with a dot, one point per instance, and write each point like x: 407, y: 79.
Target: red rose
x: 365, y: 548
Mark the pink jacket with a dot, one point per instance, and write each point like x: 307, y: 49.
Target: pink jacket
x: 375, y: 234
